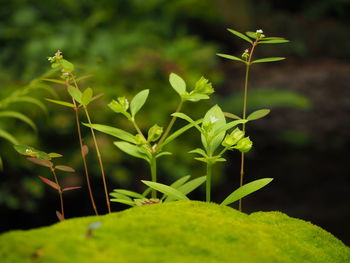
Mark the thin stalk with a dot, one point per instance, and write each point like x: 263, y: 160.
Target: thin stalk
x: 208, y: 182
x: 99, y: 159
x: 154, y: 174
x: 248, y: 63
x: 76, y: 109
x: 170, y: 125
x: 59, y: 191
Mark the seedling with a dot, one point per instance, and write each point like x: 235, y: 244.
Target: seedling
x: 44, y: 159
x: 254, y: 39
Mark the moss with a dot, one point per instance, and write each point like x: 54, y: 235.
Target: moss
x: 183, y: 232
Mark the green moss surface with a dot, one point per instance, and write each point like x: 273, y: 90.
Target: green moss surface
x: 185, y: 231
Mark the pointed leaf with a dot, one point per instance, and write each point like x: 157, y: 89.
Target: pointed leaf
x: 230, y: 57
x: 97, y: 97
x: 189, y: 186
x: 75, y: 93
x: 86, y: 97
x: 59, y: 216
x: 199, y: 151
x: 58, y: 81
x: 246, y: 190
x: 232, y: 116
x: 240, y: 35
x: 128, y: 193
x: 50, y: 183
x: 20, y: 116
x: 147, y: 191
x: 177, y: 83
x: 138, y: 101
x: 7, y: 136
x: 122, y: 201
x: 70, y: 188
x: 65, y: 168
x: 258, y: 114
x: 45, y: 163
x: 229, y: 125
x: 63, y: 103
x: 120, y: 196
x: 262, y: 60
x: 55, y: 155
x: 163, y: 154
x: 167, y: 190
x: 118, y: 133
x: 186, y: 118
x: 180, y: 181
x: 132, y: 150
x: 180, y: 131
x: 273, y: 41
x: 252, y: 34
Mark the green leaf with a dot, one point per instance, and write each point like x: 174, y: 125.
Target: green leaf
x: 120, y: 196
x: 177, y: 83
x: 252, y: 34
x: 189, y: 186
x: 128, y: 193
x: 232, y: 116
x: 63, y: 103
x: 262, y: 60
x: 258, y: 114
x: 195, y: 97
x: 7, y: 136
x: 230, y: 57
x: 199, y: 151
x: 122, y: 201
x: 246, y: 190
x: 67, y: 66
x: 147, y: 191
x: 180, y: 181
x: 186, y: 118
x: 240, y: 35
x: 180, y: 131
x: 55, y: 155
x: 163, y: 154
x: 228, y: 126
x: 33, y: 101
x: 20, y: 116
x: 138, y: 101
x: 167, y: 190
x: 86, y: 97
x: 75, y: 93
x: 273, y: 41
x: 132, y: 150
x: 65, y: 168
x: 118, y: 133
x: 58, y: 81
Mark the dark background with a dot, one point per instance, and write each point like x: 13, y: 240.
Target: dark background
x: 130, y: 45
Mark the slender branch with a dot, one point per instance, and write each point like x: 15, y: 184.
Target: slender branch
x: 168, y: 128
x: 245, y: 111
x: 99, y: 159
x: 59, y: 191
x: 154, y: 174
x: 208, y: 181
x: 76, y: 109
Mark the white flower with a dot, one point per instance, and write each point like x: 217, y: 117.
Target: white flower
x: 213, y: 119
x: 246, y: 51
x: 259, y: 31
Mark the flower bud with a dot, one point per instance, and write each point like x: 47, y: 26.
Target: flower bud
x: 245, y: 54
x: 154, y: 133
x: 259, y: 33
x: 244, y: 145
x: 233, y: 138
x: 203, y: 86
x: 140, y: 139
x: 119, y: 106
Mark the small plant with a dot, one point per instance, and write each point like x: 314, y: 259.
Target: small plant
x: 44, y: 159
x: 254, y: 39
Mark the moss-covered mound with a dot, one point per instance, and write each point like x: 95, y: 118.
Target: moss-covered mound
x: 176, y: 232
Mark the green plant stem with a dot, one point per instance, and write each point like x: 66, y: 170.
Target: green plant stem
x: 137, y: 128
x: 99, y: 159
x: 170, y: 125
x: 208, y: 181
x: 154, y: 174
x: 76, y: 110
x: 59, y: 191
x: 245, y: 113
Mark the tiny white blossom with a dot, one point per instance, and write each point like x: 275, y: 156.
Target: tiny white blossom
x: 246, y: 51
x: 49, y: 58
x: 259, y: 31
x: 213, y: 119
